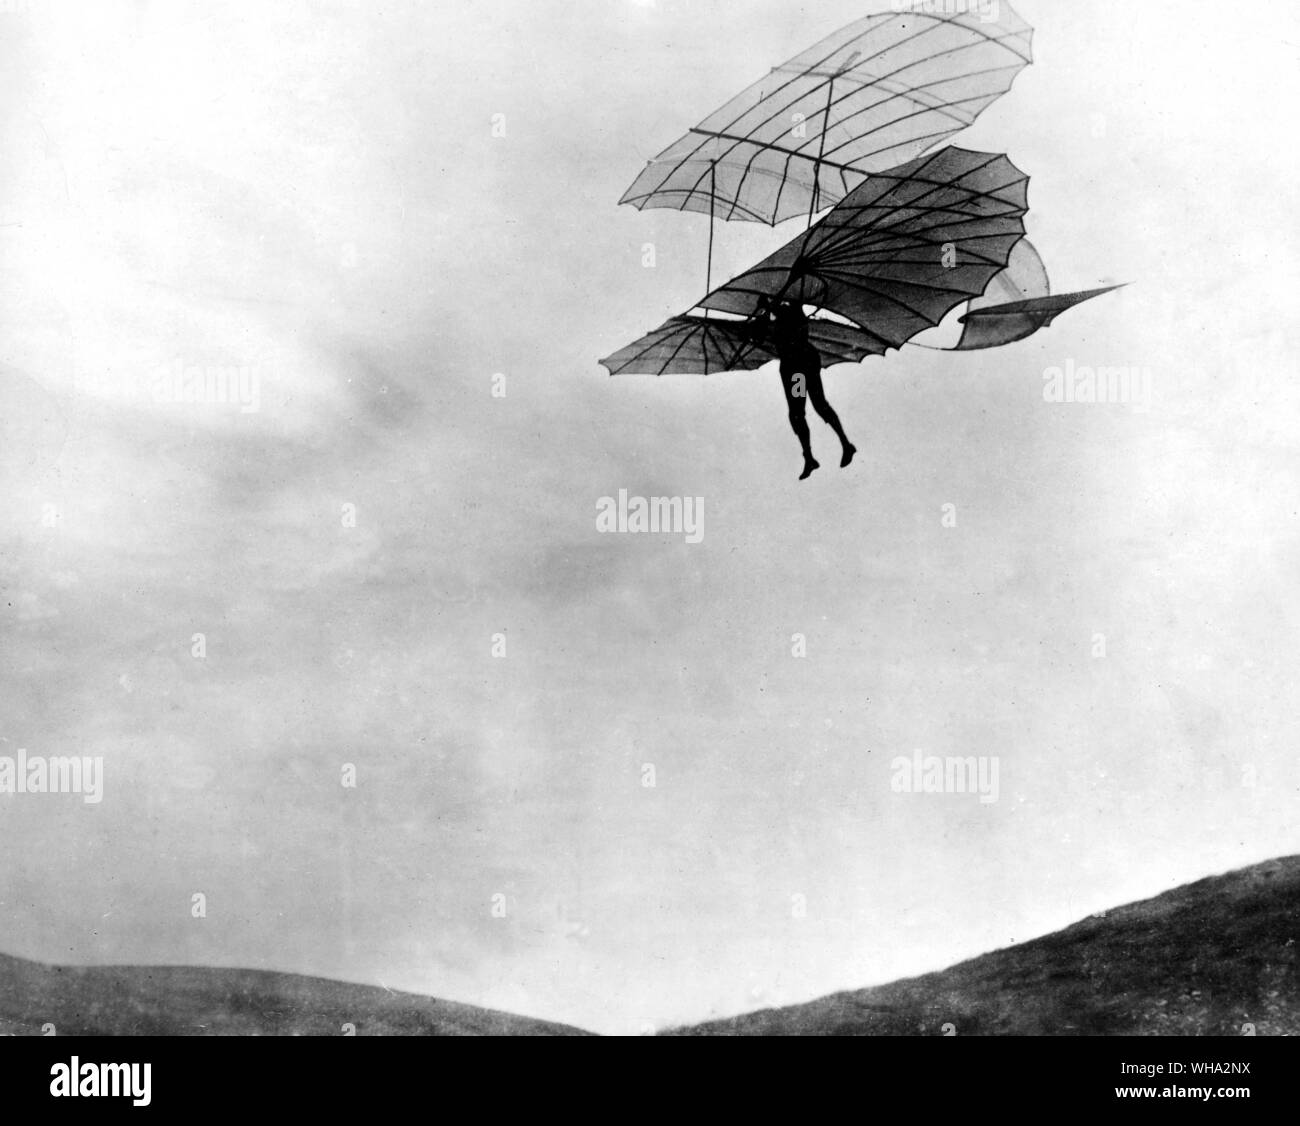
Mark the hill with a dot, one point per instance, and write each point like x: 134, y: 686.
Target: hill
x: 1204, y: 960
x: 192, y: 1001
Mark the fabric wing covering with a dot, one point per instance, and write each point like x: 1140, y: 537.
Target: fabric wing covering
x: 692, y: 345
x: 1024, y: 278
x: 901, y: 251
x: 894, y: 258
x: 876, y: 94
x: 996, y: 325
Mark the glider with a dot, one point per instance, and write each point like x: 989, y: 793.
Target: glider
x: 855, y: 124
x: 894, y: 257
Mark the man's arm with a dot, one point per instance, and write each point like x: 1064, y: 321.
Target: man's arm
x: 759, y: 322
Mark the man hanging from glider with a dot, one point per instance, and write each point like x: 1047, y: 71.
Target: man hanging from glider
x: 880, y: 99
x: 786, y: 327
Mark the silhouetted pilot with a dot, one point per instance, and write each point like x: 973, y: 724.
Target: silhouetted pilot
x: 786, y: 328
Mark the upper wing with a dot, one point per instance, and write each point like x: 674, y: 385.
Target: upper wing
x: 874, y: 95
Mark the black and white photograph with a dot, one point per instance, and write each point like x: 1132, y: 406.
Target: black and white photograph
x: 637, y: 518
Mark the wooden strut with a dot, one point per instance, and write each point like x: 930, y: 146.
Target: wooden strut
x: 713, y: 197
x: 821, y: 155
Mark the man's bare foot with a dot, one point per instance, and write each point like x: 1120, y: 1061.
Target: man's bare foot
x: 809, y: 468
x: 850, y: 452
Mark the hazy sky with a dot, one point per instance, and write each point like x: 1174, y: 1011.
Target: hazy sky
x: 313, y: 192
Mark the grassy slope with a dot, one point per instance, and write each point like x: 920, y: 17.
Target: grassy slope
x: 1205, y: 959
x: 1202, y: 960
x: 184, y: 1001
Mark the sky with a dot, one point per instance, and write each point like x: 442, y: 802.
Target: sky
x: 622, y: 781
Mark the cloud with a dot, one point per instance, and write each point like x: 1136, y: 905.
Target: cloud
x: 29, y: 607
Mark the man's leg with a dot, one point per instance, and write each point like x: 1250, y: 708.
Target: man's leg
x: 817, y: 393
x: 796, y: 398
